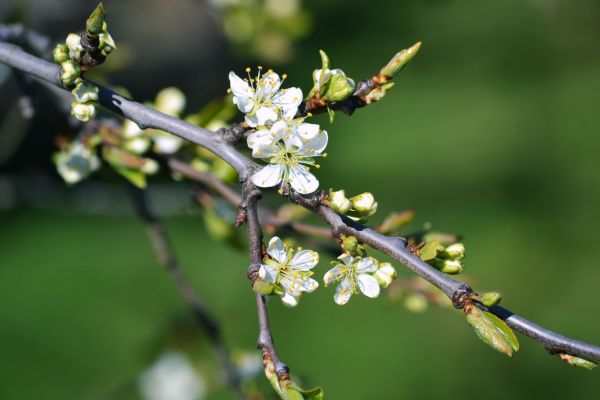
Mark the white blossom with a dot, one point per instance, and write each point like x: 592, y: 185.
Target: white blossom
x: 291, y: 273
x: 172, y: 377
x: 262, y: 99
x: 76, y: 163
x: 354, y: 275
x: 289, y: 154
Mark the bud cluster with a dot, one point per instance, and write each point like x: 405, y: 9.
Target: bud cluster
x: 357, y: 208
x: 80, y: 52
x: 447, y: 259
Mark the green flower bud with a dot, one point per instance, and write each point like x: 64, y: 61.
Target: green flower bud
x: 74, y: 44
x: 83, y: 111
x: 385, y: 274
x: 149, y: 167
x: 451, y: 267
x: 490, y: 299
x: 263, y: 288
x: 416, y: 303
x: 339, y: 87
x: 85, y: 92
x: 96, y: 20
x: 364, y: 204
x: 399, y: 61
x: 70, y: 71
x: 350, y: 244
x: 338, y: 201
x: 170, y: 101
x: 455, y: 251
x: 60, y: 53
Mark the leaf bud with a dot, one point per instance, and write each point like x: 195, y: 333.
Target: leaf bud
x: 339, y: 87
x: 455, y: 251
x: 96, y: 20
x: 577, y: 361
x: 398, y: 62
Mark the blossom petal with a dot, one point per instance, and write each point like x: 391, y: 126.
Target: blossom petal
x: 289, y: 300
x: 263, y: 115
x: 332, y: 275
x: 288, y: 100
x: 315, y: 145
x: 308, y: 131
x: 343, y: 292
x: 268, y: 85
x: 304, y: 260
x: 269, y: 175
x: 244, y: 104
x: 367, y: 264
x: 268, y: 273
x: 239, y: 87
x: 303, y: 181
x: 346, y: 258
x: 368, y: 285
x: 261, y: 137
x: 276, y: 249
x: 307, y: 285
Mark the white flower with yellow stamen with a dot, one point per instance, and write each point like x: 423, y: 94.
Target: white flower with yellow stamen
x: 262, y: 99
x: 294, y: 131
x: 289, y: 155
x: 290, y: 273
x: 76, y: 163
x: 354, y: 275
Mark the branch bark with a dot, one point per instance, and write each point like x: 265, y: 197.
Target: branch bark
x: 147, y: 117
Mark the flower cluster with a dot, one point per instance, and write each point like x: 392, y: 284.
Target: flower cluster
x: 79, y: 52
x: 358, y: 275
x: 288, y: 144
x: 289, y: 274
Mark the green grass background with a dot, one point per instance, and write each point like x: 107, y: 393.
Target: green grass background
x: 492, y: 132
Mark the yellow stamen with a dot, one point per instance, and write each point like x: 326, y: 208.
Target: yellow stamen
x: 309, y: 114
x: 284, y: 76
x: 317, y: 166
x: 248, y: 69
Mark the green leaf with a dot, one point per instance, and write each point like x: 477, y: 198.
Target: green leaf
x: 430, y: 250
x: 95, y: 21
x: 293, y: 392
x: 331, y: 114
x: 505, y: 329
x: 490, y: 332
x: 136, y: 177
x: 577, y: 361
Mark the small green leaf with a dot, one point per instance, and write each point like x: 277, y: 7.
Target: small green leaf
x: 96, y: 20
x: 293, y: 392
x: 505, y: 329
x: 430, y: 250
x: 136, y: 177
x: 488, y: 330
x: 577, y: 361
x: 331, y: 114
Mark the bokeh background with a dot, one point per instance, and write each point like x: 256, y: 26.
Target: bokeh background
x: 490, y: 132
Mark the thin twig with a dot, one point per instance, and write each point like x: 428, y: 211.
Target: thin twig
x: 147, y: 117
x: 166, y: 258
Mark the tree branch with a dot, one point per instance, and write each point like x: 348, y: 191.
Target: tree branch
x: 166, y: 258
x: 147, y: 117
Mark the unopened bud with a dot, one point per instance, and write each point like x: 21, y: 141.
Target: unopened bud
x: 263, y: 288
x: 450, y: 267
x: 170, y: 101
x: 399, y: 61
x: 60, y: 53
x: 85, y: 92
x: 455, y: 251
x: 364, y: 204
x: 73, y: 42
x: 350, y: 244
x: 96, y: 20
x: 385, y: 274
x: 577, y: 361
x: 490, y: 299
x: 149, y: 167
x: 339, y: 87
x: 83, y: 111
x: 338, y: 201
x: 70, y: 71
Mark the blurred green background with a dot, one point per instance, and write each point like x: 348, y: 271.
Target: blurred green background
x: 490, y: 132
